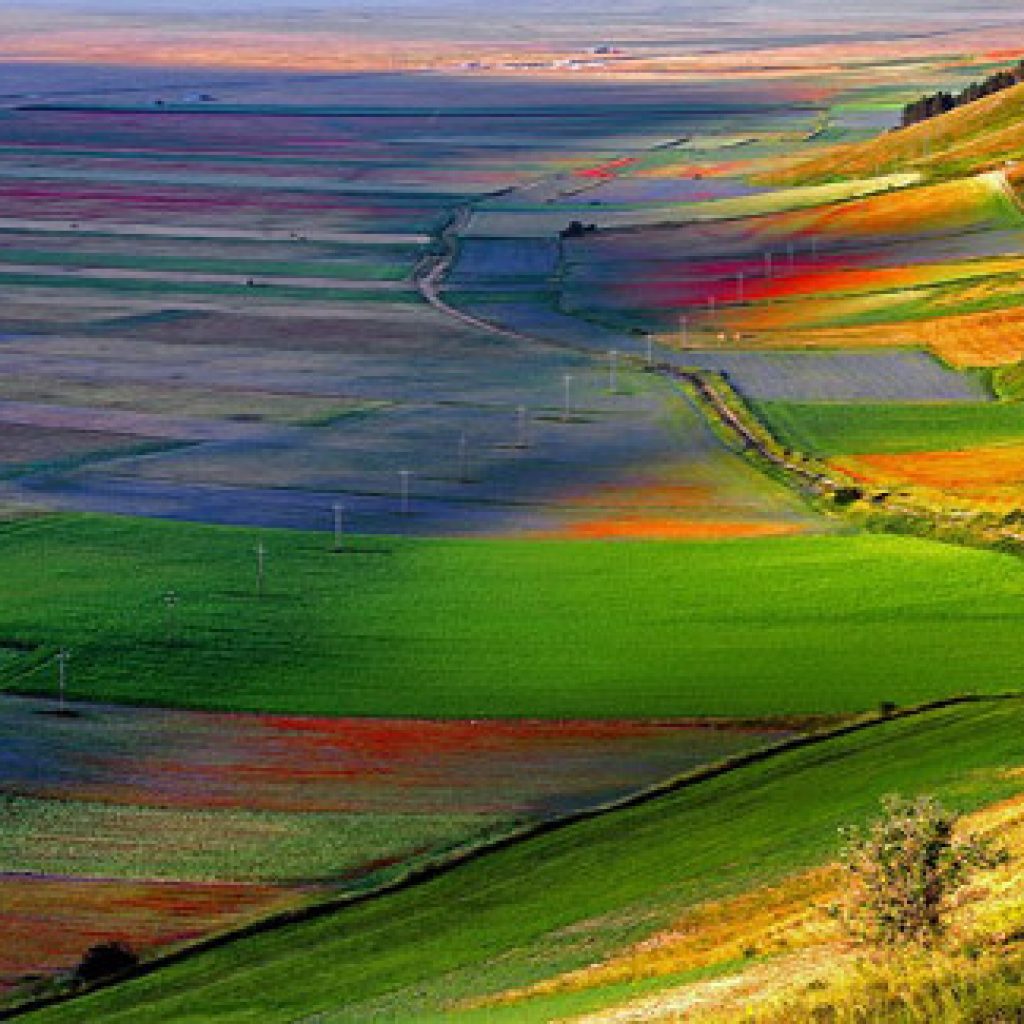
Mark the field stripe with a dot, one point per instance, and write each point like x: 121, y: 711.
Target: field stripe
x: 102, y: 227
x: 118, y: 421
x: 171, y: 277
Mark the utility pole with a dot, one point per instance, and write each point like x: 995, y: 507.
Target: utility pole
x: 463, y: 459
x: 650, y: 349
x: 684, y: 329
x: 339, y: 526
x: 739, y: 286
x: 613, y: 371
x: 403, y: 477
x: 261, y: 555
x: 567, y: 406
x: 522, y: 426
x: 62, y: 676
x: 170, y: 605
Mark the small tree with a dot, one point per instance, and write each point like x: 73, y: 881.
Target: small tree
x: 105, y: 960
x: 904, y: 869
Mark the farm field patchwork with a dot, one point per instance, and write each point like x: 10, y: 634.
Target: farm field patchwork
x: 556, y: 583
x: 260, y: 255
x: 157, y: 826
x: 532, y: 911
x: 549, y: 219
x: 812, y: 278
x: 370, y: 413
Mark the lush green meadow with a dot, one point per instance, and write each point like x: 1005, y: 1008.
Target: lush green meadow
x: 826, y: 428
x: 438, y: 627
x: 534, y: 909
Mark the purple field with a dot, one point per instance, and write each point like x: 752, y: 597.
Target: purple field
x: 840, y: 376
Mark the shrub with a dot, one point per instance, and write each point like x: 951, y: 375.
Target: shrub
x: 847, y: 495
x: 105, y: 960
x: 904, y: 869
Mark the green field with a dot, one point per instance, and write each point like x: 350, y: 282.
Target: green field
x: 532, y: 910
x: 822, y: 429
x: 68, y: 837
x: 509, y: 627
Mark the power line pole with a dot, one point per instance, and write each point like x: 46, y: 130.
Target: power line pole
x: 613, y: 371
x: 63, y: 655
x: 463, y: 459
x: 684, y: 329
x: 650, y: 349
x: 522, y: 426
x: 567, y: 406
x: 339, y: 526
x: 170, y: 605
x: 739, y: 286
x: 261, y: 555
x: 403, y: 478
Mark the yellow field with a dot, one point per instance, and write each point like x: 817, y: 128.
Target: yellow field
x: 991, y: 477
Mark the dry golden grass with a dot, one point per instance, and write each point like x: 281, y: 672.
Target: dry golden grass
x: 641, y: 527
x: 767, y: 921
x: 983, y: 132
x: 805, y: 965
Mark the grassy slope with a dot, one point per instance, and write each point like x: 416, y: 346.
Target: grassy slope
x: 439, y: 627
x: 500, y: 921
x: 824, y: 429
x: 972, y: 138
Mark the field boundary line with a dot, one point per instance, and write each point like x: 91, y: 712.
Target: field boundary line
x: 421, y: 874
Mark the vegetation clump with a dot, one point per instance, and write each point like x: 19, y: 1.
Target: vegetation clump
x: 942, y: 102
x: 905, y: 870
x: 105, y: 960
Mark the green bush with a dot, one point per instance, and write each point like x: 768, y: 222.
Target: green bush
x: 904, y: 869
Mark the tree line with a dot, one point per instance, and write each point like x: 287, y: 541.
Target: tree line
x: 941, y: 102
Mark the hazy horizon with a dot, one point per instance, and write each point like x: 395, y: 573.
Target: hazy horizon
x: 289, y: 33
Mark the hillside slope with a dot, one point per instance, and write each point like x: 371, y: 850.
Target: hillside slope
x: 564, y: 899
x: 977, y: 137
